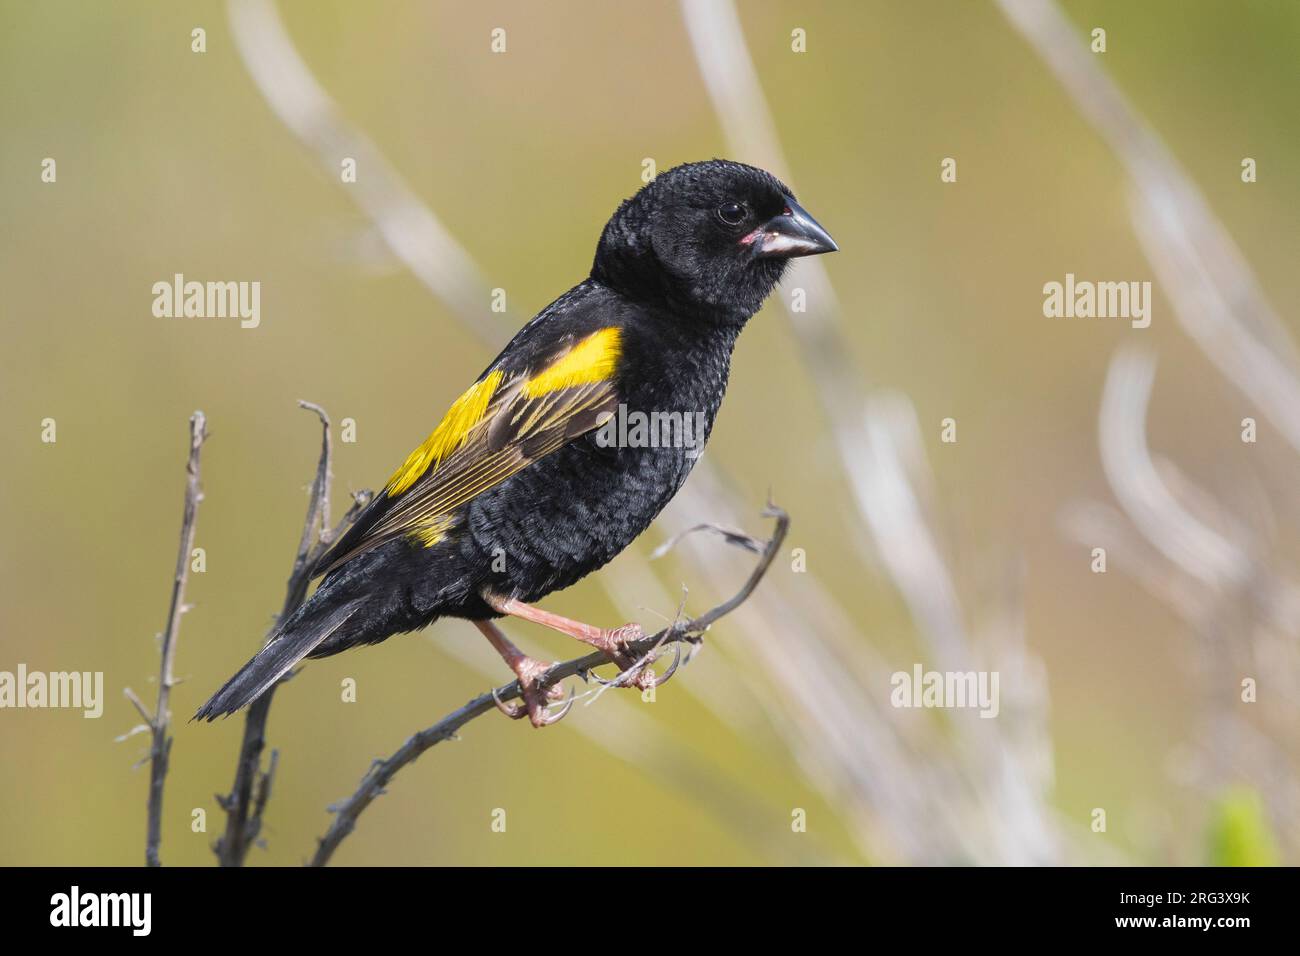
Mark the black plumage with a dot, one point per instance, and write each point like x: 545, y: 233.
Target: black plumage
x: 519, y: 493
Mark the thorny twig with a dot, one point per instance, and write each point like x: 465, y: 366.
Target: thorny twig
x: 244, y: 807
x: 158, y: 721
x: 261, y: 794
x: 382, y: 771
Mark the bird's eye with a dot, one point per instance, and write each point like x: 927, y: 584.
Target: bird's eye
x: 732, y: 213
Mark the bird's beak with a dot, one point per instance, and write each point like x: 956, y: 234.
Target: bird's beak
x: 791, y: 234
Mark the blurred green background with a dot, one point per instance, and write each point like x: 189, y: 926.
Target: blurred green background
x: 169, y: 161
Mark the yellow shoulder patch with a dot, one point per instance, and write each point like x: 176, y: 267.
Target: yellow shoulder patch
x: 593, y: 359
x: 466, y: 412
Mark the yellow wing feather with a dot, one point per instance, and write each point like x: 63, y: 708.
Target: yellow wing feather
x: 466, y: 412
x: 593, y: 359
x: 496, y: 428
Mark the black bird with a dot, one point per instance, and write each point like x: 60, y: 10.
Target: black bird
x: 545, y: 468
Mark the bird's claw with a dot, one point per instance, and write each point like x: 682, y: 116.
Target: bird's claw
x: 554, y: 717
x: 636, y: 672
x: 513, y: 711
x: 537, y: 696
x: 666, y: 676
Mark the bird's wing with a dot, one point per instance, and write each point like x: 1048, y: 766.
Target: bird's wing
x: 500, y: 425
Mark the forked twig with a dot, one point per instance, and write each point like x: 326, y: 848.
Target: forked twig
x: 243, y: 806
x: 158, y: 721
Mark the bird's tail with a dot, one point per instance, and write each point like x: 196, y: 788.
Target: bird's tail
x: 299, y: 636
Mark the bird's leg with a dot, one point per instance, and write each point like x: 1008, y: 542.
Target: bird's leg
x: 613, y: 642
x: 529, y: 671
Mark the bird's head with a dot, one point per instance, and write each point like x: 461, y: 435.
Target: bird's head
x: 706, y: 239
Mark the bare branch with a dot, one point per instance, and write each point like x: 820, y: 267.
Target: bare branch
x: 158, y: 723
x: 328, y: 536
x: 730, y: 535
x: 243, y: 807
x: 318, y: 517
x: 383, y: 771
x: 262, y: 793
x: 139, y: 706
